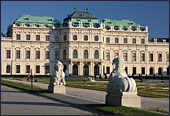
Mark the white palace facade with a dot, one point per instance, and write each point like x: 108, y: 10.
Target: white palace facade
x: 83, y: 44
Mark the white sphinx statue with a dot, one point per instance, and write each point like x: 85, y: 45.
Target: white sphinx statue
x: 121, y: 90
x: 58, y: 79
x: 118, y: 80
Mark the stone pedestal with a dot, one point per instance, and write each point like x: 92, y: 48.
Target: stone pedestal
x: 129, y: 99
x: 57, y: 89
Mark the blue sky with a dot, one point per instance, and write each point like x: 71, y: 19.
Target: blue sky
x: 154, y: 14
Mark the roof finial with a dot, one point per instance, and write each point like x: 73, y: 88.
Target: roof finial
x: 75, y: 8
x: 87, y: 9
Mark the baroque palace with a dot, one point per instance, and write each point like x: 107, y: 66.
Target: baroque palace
x: 83, y: 44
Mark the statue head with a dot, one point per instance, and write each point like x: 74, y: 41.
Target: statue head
x: 58, y: 66
x: 119, y: 63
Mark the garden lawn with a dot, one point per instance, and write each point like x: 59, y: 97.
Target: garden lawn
x: 121, y: 110
x: 148, y: 89
x: 24, y: 87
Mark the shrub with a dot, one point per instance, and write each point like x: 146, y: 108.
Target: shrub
x: 105, y: 76
x: 141, y: 78
x: 162, y: 77
x: 100, y: 76
x: 154, y: 76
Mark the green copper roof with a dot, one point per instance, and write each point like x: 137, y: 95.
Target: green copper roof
x: 81, y: 15
x: 36, y: 20
x: 124, y: 23
x: 84, y: 17
x: 3, y: 35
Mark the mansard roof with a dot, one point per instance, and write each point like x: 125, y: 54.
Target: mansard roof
x: 119, y: 22
x: 81, y: 15
x: 124, y: 23
x: 36, y: 20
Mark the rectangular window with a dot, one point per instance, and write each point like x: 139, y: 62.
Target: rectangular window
x: 108, y: 56
x: 17, y: 54
x: 37, y: 69
x: 38, y: 37
x: 142, y: 57
x: 17, y: 68
x: 134, y: 70
x: 28, y: 37
x: 37, y: 54
x: 134, y: 41
x: 47, y: 38
x: 27, y: 54
x: 108, y: 70
x: 159, y: 57
x: 151, y: 57
x: 116, y: 40
x: 142, y: 41
x: 143, y: 70
x: 47, y: 69
x: 107, y: 40
x: 167, y: 57
x: 18, y: 36
x: 125, y: 40
x: 47, y: 54
x: 27, y: 68
x: 56, y: 38
x: 125, y: 56
x: 56, y: 55
x: 8, y: 54
x: 133, y: 56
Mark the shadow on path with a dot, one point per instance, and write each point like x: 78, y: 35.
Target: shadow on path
x: 33, y: 103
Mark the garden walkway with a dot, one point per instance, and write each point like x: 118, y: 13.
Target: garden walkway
x: 85, y: 96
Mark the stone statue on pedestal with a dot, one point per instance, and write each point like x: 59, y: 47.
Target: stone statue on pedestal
x: 121, y: 89
x: 57, y: 81
x: 118, y: 80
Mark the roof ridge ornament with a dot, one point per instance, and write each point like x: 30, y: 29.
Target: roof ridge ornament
x: 87, y: 9
x: 75, y: 8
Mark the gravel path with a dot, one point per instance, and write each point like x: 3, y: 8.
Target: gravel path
x: 99, y: 96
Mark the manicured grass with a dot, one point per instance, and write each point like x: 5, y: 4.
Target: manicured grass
x: 159, y: 110
x: 147, y: 89
x: 24, y: 87
x: 121, y: 110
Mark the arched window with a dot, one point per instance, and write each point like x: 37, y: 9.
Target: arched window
x: 96, y: 69
x: 65, y: 37
x: 160, y: 71
x: 151, y: 70
x: 86, y: 69
x: 74, y: 37
x: 8, y: 69
x: 75, y: 69
x: 96, y: 38
x: 96, y: 54
x: 64, y: 54
x: 85, y: 37
x: 108, y: 56
x: 86, y: 54
x: 75, y: 54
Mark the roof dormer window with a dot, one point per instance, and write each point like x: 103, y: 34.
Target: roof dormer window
x: 81, y: 14
x: 26, y: 18
x: 50, y: 19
